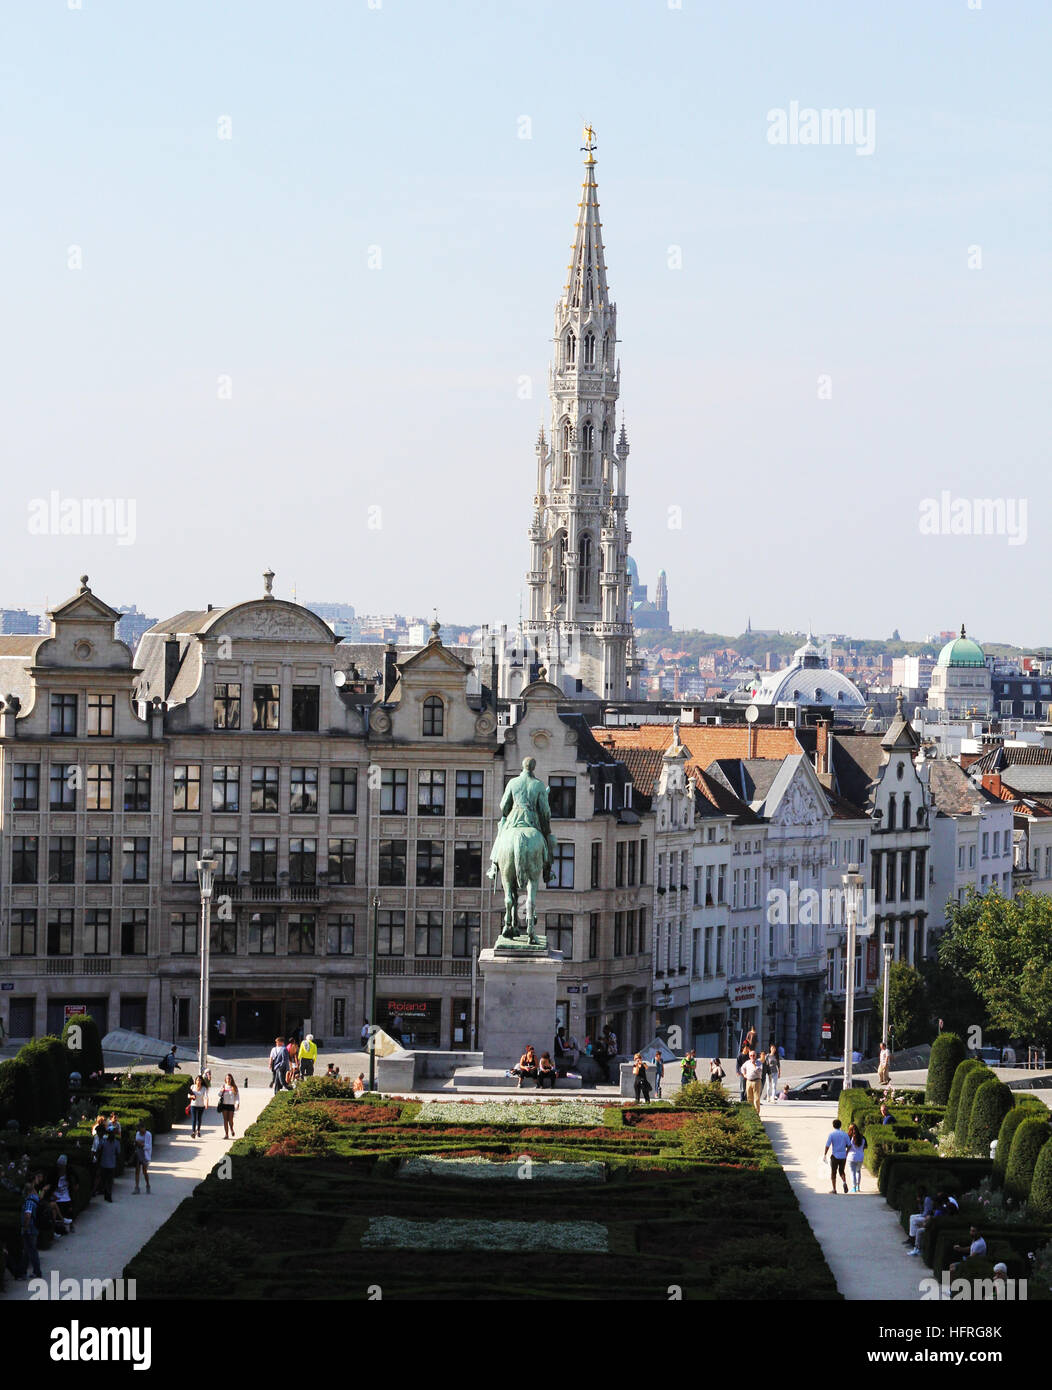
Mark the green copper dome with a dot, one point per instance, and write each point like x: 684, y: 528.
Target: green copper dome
x: 962, y: 651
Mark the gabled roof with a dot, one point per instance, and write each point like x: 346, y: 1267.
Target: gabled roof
x: 901, y: 735
x: 715, y: 794
x: 644, y: 767
x: 85, y: 605
x: 951, y: 791
x: 1028, y: 778
x: 857, y: 763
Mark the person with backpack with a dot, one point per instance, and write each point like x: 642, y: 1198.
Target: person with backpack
x: 168, y: 1063
x: 279, y: 1064
x: 30, y: 1231
x: 688, y: 1069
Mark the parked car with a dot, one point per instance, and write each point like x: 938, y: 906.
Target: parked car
x: 823, y: 1088
x: 989, y: 1053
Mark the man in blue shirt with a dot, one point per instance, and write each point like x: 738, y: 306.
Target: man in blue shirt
x: 839, y: 1143
x: 30, y: 1231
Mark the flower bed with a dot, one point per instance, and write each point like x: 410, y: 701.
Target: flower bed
x: 479, y: 1168
x: 574, y: 1113
x: 396, y: 1233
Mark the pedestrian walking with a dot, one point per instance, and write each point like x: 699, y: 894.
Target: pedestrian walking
x: 752, y: 1075
x: 279, y: 1064
x: 659, y: 1073
x: 772, y: 1067
x: 837, y: 1146
x: 716, y: 1072
x: 743, y: 1057
x: 308, y: 1055
x: 108, y: 1150
x: 856, y: 1155
x: 292, y: 1075
x: 98, y: 1129
x: 884, y: 1065
x: 143, y: 1143
x: 228, y: 1102
x: 640, y: 1081
x: 688, y: 1069
x: 198, y: 1102
x: 30, y: 1231
x: 365, y: 1036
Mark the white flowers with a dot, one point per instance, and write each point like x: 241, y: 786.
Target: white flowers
x: 397, y: 1233
x: 481, y: 1169
x: 509, y: 1112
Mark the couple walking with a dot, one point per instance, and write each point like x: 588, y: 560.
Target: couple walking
x: 845, y: 1148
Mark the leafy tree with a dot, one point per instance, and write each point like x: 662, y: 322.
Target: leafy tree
x: 907, y: 1005
x: 1003, y: 947
x: 951, y: 997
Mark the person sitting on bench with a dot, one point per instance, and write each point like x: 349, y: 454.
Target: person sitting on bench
x: 527, y: 1064
x: 545, y: 1072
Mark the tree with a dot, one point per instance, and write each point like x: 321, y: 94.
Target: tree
x: 907, y: 1005
x: 951, y: 997
x: 1003, y: 947
x: 969, y: 1064
x: 947, y: 1053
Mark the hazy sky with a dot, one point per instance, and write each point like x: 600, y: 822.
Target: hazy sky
x: 333, y: 310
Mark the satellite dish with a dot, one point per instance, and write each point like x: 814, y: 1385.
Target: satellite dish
x: 752, y: 714
x: 340, y: 678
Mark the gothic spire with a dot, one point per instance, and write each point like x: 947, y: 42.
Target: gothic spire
x: 586, y: 287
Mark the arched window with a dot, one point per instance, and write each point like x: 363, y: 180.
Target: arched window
x: 571, y: 349
x: 606, y: 349
x: 584, y: 569
x: 589, y: 349
x: 891, y: 812
x: 906, y: 811
x: 561, y: 562
x: 434, y: 717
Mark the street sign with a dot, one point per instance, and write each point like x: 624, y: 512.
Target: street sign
x: 584, y: 989
x: 741, y: 993
x: 72, y: 1010
x: 573, y: 989
x: 827, y: 1031
x: 7, y: 984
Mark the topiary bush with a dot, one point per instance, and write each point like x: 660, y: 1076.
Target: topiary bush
x: 1027, y: 1143
x: 991, y: 1103
x: 48, y: 1096
x: 702, y: 1095
x: 972, y: 1081
x: 1020, y: 1111
x: 16, y: 1093
x: 1039, y: 1203
x: 960, y: 1075
x: 80, y: 1037
x: 947, y: 1054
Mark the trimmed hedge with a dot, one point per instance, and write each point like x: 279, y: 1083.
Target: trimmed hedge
x: 992, y: 1102
x: 1009, y: 1243
x: 901, y: 1173
x: 968, y: 1065
x: 87, y: 1059
x: 1039, y: 1203
x: 1005, y: 1135
x: 947, y: 1053
x: 17, y: 1101
x: 977, y: 1077
x: 1027, y: 1142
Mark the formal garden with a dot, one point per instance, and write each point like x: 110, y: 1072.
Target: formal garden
x: 941, y: 1139
x: 330, y: 1196
x: 51, y: 1094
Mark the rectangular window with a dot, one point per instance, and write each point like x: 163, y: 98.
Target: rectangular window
x: 24, y: 851
x: 225, y: 851
x: 222, y: 938
x: 428, y: 934
x: 619, y: 933
x: 63, y: 716
x: 633, y: 859
x: 562, y: 866
x: 186, y: 787
x: 343, y: 790
x: 305, y: 707
x: 465, y: 925
x: 597, y: 863
x: 97, y: 931
x: 137, y: 786
x: 339, y: 1017
x: 339, y: 935
x: 430, y: 869
x: 263, y: 934
x: 226, y: 706
x: 641, y: 935
x: 558, y: 927
x: 562, y: 797
x: 593, y: 936
x: 619, y: 865
x: 642, y: 861
x: 60, y: 932
x: 266, y: 707
x: 25, y: 787
x: 986, y: 844
x: 431, y: 793
x: 61, y: 858
x: 721, y: 933
x: 468, y: 800
x: 919, y: 884
x: 186, y: 851
x: 263, y: 859
x: 302, y: 933
x: 265, y: 788
x: 391, y: 866
x: 394, y: 791
x: 303, y: 791
x: 904, y: 876
x: 23, y: 931
x: 100, y: 716
x: 226, y: 787
x: 184, y: 933
x: 721, y: 872
x: 889, y: 876
x: 63, y: 783
x: 98, y: 859
x: 342, y: 861
x: 134, y: 926
x: 467, y: 864
x: 390, y: 933
x: 971, y: 856
x: 630, y: 933
x: 303, y: 860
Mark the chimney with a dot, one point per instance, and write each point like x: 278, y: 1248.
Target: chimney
x: 171, y: 663
x: 822, y: 744
x: 390, y: 669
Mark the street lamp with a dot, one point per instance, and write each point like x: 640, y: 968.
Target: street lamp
x: 852, y: 882
x: 888, y: 949
x: 206, y: 874
x: 474, y: 978
x: 372, y: 1005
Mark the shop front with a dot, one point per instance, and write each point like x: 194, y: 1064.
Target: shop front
x: 411, y: 1022
x: 255, y: 1015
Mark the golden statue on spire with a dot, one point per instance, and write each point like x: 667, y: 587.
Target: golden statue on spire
x: 589, y: 144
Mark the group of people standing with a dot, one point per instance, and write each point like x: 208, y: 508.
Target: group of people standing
x: 291, y: 1059
x: 758, y: 1071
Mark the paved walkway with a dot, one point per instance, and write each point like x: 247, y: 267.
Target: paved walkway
x: 860, y: 1235
x: 108, y: 1235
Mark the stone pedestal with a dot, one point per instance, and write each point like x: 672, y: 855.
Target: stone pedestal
x: 518, y: 1003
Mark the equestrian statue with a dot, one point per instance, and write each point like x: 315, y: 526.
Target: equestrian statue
x: 523, y: 851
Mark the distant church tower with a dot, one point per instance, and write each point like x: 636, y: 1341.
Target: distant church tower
x: 579, y: 621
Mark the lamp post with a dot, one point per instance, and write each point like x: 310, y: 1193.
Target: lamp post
x: 206, y: 874
x: 888, y: 949
x: 372, y: 1002
x: 852, y: 882
x: 474, y: 979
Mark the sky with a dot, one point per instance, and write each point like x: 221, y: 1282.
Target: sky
x: 279, y: 289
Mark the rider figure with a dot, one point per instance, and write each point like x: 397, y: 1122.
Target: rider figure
x: 524, y: 803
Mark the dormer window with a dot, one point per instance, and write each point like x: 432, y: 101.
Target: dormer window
x: 608, y: 796
x: 628, y: 794
x: 434, y: 717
